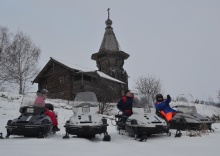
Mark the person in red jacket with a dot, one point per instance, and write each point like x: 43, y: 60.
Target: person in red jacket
x: 125, y: 105
x: 39, y: 101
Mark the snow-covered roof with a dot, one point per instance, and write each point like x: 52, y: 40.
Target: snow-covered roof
x: 86, y: 69
x: 108, y: 77
x: 72, y: 65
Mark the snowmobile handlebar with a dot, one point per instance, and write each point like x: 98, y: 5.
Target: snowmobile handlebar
x: 174, y: 106
x: 118, y: 116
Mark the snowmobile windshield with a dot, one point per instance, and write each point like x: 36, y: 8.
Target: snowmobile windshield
x: 182, y: 99
x: 186, y: 109
x: 83, y: 99
x: 185, y: 104
x: 28, y: 99
x: 142, y: 101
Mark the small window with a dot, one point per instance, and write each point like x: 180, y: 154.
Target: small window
x: 61, y: 94
x: 87, y: 78
x: 45, y: 86
x: 61, y: 80
x: 77, y: 77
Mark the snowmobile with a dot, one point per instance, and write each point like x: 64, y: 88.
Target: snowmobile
x: 86, y: 122
x: 143, y: 122
x: 32, y: 122
x: 187, y: 118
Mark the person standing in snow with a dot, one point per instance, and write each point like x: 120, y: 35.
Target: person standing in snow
x: 125, y: 105
x: 164, y: 107
x: 40, y: 102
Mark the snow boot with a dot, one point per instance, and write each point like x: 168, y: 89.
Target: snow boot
x: 121, y: 125
x: 1, y: 137
x: 178, y: 133
x: 55, y: 128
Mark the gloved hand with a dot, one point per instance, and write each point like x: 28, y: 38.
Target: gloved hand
x: 128, y: 112
x: 168, y: 97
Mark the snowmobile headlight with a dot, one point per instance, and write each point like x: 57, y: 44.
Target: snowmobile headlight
x: 85, y: 109
x: 147, y: 110
x: 30, y: 110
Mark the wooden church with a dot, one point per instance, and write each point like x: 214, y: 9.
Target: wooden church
x: 64, y: 80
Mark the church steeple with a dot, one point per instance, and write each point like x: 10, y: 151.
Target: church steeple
x: 109, y: 42
x: 110, y: 58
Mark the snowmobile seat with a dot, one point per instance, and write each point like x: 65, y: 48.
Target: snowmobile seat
x: 32, y: 110
x: 49, y: 106
x: 159, y: 114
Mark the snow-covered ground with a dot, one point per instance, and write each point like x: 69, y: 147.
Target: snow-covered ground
x: 120, y: 145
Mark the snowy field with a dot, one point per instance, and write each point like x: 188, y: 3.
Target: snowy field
x: 120, y: 145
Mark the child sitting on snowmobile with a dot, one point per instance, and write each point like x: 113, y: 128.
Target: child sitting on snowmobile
x: 125, y: 105
x: 39, y: 101
x: 164, y: 108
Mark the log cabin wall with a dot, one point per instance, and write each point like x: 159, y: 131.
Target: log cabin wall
x: 58, y: 80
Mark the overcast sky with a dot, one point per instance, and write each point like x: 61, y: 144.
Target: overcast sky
x: 177, y: 41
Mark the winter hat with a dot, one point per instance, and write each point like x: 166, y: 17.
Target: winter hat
x: 159, y: 97
x: 44, y: 91
x: 40, y: 92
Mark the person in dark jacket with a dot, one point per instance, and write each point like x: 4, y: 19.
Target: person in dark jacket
x: 125, y: 105
x: 164, y: 107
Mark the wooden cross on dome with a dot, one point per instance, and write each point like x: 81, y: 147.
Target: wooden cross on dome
x: 108, y: 12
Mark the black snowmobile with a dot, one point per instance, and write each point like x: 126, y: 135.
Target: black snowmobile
x: 32, y: 122
x: 187, y: 118
x: 86, y: 122
x: 143, y: 122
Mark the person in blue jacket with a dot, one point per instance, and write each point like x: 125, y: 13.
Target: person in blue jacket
x: 125, y: 105
x: 164, y: 107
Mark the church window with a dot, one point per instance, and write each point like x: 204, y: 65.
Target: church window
x: 61, y: 80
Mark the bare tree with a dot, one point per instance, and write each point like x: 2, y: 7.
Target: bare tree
x: 106, y: 94
x: 4, y: 44
x: 209, y: 101
x: 149, y: 85
x: 4, y: 40
x: 21, y: 61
